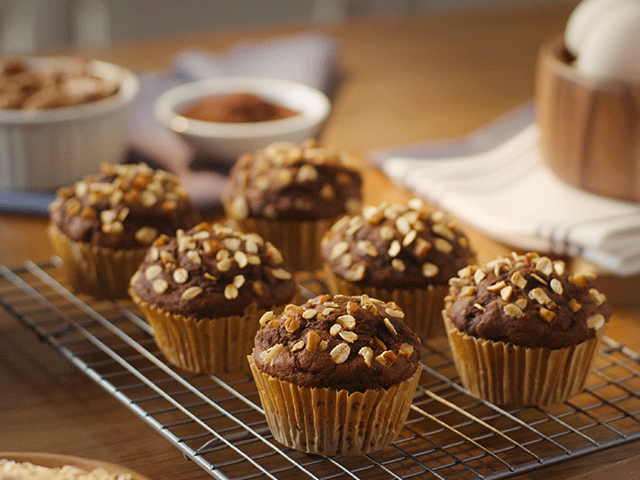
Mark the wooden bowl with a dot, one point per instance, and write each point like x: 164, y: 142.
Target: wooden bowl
x: 51, y: 460
x: 589, y: 127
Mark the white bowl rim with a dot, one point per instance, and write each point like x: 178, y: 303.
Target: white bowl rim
x: 166, y: 114
x: 129, y: 87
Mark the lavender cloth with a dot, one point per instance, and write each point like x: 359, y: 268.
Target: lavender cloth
x: 309, y: 58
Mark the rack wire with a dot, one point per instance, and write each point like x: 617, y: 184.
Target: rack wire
x: 218, y: 422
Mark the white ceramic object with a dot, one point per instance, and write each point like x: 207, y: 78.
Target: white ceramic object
x: 46, y: 149
x: 612, y: 48
x: 227, y: 141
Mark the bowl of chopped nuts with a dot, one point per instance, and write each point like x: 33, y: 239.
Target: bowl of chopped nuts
x: 60, y: 118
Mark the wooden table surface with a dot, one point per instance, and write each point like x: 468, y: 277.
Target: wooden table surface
x: 402, y: 80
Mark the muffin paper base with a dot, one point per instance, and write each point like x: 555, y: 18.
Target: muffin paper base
x: 206, y: 345
x: 97, y: 271
x: 422, y: 307
x: 297, y: 240
x: 334, y: 422
x: 511, y: 375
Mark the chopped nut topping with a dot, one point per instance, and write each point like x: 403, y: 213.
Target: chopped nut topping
x: 266, y: 318
x: 335, y: 329
x: 309, y: 314
x: 167, y: 257
x: 521, y: 303
x: 306, y: 173
x: 406, y: 350
x: 154, y: 254
x: 539, y: 278
x: 191, y: 293
x: 387, y: 358
x: 222, y: 255
x: 422, y: 247
x: 269, y: 355
x: 394, y: 312
x: 512, y: 310
x: 578, y: 280
x: 146, y: 235
x: 299, y: 345
x: 224, y: 265
x: 409, y: 238
x: 597, y: 296
x: 379, y: 344
x: 430, y: 270
x: 194, y: 257
x: 547, y: 315
x: 323, y: 345
x: 479, y: 275
x: 465, y: 272
x: 387, y: 233
x: 239, y: 208
x: 558, y: 266
x: 390, y: 326
x: 352, y: 307
x: 348, y: 336
x: 398, y: 265
x: 160, y: 286
x: 556, y: 286
x: 467, y: 290
x: 518, y: 280
x: 506, y: 293
x: 403, y: 225
x: 241, y: 258
x: 201, y: 235
x: 356, y: 272
x: 313, y: 341
x: 367, y: 354
x: 544, y: 265
x: 108, y: 216
x: 230, y: 292
x: 366, y: 247
x: 208, y: 276
x: 442, y: 245
x: 238, y: 281
x: 595, y: 321
x: 232, y: 243
x: 281, y: 274
x: 539, y: 295
x: 180, y: 275
x: 480, y: 307
x: 496, y: 286
x: 339, y: 249
x: 443, y: 231
x: 291, y: 325
x: 115, y: 227
x: 394, y: 248
x: 152, y: 271
x: 340, y: 353
x: 347, y: 322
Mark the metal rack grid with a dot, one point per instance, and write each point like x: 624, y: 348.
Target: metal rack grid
x: 218, y: 422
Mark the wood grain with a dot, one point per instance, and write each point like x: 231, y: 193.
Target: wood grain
x: 402, y: 80
x: 589, y: 127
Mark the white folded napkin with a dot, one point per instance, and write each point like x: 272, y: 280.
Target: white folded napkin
x: 507, y: 192
x: 307, y: 58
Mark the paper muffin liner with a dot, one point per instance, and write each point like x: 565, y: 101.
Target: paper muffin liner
x: 94, y: 270
x: 297, y: 240
x: 510, y: 375
x: 422, y: 307
x: 334, y: 422
x: 207, y: 345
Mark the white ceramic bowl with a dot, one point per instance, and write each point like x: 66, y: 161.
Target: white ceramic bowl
x: 227, y: 141
x: 50, y: 148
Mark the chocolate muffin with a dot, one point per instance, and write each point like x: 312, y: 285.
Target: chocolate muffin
x: 290, y: 194
x: 401, y: 253
x: 102, y: 226
x: 336, y: 375
x: 523, y: 330
x: 204, y: 291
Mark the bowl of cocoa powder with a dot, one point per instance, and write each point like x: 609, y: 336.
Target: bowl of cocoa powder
x: 222, y: 118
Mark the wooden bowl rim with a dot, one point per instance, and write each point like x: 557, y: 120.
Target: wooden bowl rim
x: 554, y: 58
x: 54, y: 460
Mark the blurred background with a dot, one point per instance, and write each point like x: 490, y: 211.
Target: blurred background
x: 34, y: 25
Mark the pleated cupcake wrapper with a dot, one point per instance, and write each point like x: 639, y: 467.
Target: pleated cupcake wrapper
x: 511, y: 375
x: 422, y: 307
x: 297, y: 240
x: 208, y: 345
x: 334, y: 422
x: 94, y: 270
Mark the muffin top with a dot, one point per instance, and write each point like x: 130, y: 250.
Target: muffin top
x: 396, y: 246
x: 528, y: 300
x: 124, y: 207
x: 213, y: 271
x: 293, y: 182
x: 352, y: 343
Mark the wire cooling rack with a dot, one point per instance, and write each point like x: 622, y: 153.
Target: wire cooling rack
x: 218, y: 422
